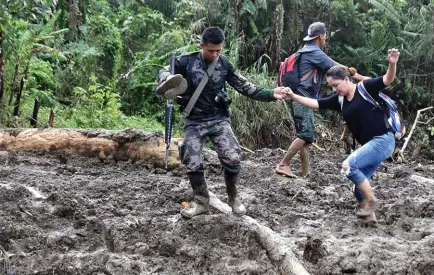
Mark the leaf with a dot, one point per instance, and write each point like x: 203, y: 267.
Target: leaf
x: 407, y: 84
x: 261, y: 4
x: 253, y: 25
x: 249, y: 8
x: 387, y: 9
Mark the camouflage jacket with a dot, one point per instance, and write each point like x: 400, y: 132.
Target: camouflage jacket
x: 193, y: 68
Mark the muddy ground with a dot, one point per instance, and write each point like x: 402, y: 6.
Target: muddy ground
x: 81, y: 216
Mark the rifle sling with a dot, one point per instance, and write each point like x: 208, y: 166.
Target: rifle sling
x: 198, y: 90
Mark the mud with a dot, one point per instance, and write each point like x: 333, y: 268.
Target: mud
x: 88, y: 217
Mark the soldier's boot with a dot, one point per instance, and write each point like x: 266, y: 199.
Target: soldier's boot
x: 173, y: 92
x: 172, y: 81
x: 231, y: 181
x: 200, y: 203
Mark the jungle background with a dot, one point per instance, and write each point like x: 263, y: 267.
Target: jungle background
x: 94, y: 62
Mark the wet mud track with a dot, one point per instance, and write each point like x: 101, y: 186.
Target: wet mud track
x: 88, y: 217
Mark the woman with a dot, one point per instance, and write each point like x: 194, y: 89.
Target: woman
x: 366, y: 123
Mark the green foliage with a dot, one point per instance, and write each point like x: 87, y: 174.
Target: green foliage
x: 106, y: 77
x: 41, y: 75
x: 386, y: 8
x: 260, y: 124
x: 106, y: 38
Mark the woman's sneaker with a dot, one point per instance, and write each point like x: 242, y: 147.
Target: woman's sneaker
x: 370, y: 208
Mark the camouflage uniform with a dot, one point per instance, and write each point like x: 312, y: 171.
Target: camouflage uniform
x: 209, y: 118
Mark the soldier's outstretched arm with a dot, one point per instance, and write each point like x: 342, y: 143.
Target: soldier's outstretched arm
x: 245, y: 87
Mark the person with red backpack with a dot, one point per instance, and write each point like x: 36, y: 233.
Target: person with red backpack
x: 302, y: 72
x: 373, y: 120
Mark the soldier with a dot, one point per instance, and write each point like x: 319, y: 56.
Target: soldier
x: 210, y: 116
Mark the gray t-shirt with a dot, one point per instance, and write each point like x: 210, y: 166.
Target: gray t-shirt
x: 313, y: 57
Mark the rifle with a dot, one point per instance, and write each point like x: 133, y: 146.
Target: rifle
x: 169, y: 115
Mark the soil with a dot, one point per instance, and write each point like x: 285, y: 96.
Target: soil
x: 91, y: 217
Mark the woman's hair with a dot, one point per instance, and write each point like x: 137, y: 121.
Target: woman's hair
x: 340, y: 72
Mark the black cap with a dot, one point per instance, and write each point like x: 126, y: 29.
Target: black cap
x: 315, y: 29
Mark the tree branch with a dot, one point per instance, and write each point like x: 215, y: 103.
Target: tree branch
x: 401, y: 152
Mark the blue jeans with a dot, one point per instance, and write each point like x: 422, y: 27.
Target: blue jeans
x: 364, y: 161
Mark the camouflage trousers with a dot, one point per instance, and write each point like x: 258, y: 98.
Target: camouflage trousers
x: 220, y: 133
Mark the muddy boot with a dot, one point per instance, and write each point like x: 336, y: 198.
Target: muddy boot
x: 172, y: 81
x: 173, y: 92
x: 199, y: 206
x: 369, y: 209
x: 231, y: 181
x: 200, y: 203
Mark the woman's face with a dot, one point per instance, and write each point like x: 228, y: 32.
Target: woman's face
x: 339, y: 86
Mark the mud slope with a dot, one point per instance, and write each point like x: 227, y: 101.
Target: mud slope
x: 88, y: 217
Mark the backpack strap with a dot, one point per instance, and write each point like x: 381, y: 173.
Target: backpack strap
x: 198, y: 90
x: 225, y: 61
x: 282, y: 70
x: 306, y: 75
x: 313, y: 70
x: 225, y: 64
x: 366, y: 96
x: 185, y: 62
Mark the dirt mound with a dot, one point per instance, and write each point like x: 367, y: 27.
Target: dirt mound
x: 88, y: 217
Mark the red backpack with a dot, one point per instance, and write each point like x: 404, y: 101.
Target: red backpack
x: 289, y: 72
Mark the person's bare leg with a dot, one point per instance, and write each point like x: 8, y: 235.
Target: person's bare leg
x: 284, y: 167
x: 304, y: 158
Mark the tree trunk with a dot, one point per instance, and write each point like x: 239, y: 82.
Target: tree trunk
x: 236, y: 7
x: 129, y: 144
x: 21, y: 88
x: 14, y: 81
x: 1, y: 67
x: 34, y: 118
x: 83, y: 10
x: 277, y: 247
x: 75, y: 21
x: 51, y: 118
x: 276, y: 46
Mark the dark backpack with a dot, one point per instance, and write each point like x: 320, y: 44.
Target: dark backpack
x: 393, y: 118
x: 289, y: 72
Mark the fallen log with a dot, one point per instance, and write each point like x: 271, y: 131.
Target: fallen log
x: 130, y: 144
x: 420, y: 179
x: 277, y: 249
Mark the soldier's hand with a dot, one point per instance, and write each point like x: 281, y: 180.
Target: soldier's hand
x: 282, y: 92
